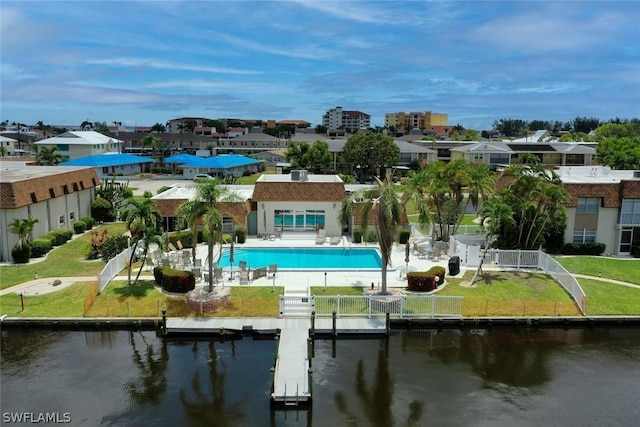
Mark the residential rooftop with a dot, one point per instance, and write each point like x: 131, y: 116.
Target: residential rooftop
x: 594, y: 174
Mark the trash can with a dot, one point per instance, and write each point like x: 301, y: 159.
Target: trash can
x: 454, y: 265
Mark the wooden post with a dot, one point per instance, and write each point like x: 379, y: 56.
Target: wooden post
x: 22, y: 301
x: 388, y: 324
x: 309, y: 350
x: 164, y: 320
x: 333, y: 323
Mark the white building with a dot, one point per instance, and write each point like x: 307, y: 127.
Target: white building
x: 336, y: 118
x: 76, y: 144
x: 56, y: 196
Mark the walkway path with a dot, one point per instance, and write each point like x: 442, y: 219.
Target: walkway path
x: 604, y: 279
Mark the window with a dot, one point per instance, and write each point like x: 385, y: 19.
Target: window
x: 75, y: 186
x: 630, y: 211
x: 61, y: 220
x: 72, y: 216
x: 34, y: 199
x: 227, y: 225
x: 63, y: 147
x: 65, y: 189
x: 499, y: 158
x: 82, y: 184
x: 52, y: 193
x: 588, y: 205
x: 105, y: 170
x: 584, y: 236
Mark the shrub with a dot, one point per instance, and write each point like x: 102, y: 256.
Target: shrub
x: 100, y: 209
x: 357, y: 236
x: 583, y: 248
x: 241, y: 235
x: 89, y: 221
x: 112, y: 246
x: 404, y: 236
x: 185, y: 237
x: 60, y: 236
x: 424, y: 281
x: 162, y: 189
x: 79, y: 227
x: 147, y: 194
x: 22, y: 254
x: 226, y: 238
x: 127, y: 193
x: 172, y: 280
x: 40, y: 247
x: 372, y: 237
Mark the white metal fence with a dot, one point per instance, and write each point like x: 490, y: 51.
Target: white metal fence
x: 113, y: 267
x: 398, y: 306
x: 470, y: 256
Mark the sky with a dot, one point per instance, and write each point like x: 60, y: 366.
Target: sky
x: 144, y: 62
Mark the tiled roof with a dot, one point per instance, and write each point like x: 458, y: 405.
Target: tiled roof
x: 237, y: 210
x: 609, y: 193
x: 299, y: 191
x: 16, y: 193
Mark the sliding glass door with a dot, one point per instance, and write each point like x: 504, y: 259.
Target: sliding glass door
x: 298, y: 220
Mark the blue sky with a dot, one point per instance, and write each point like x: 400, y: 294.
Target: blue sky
x: 144, y: 62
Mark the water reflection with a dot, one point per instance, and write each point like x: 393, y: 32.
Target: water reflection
x: 376, y: 400
x: 210, y: 407
x: 151, y: 383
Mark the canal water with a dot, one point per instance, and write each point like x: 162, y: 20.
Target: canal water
x: 469, y: 377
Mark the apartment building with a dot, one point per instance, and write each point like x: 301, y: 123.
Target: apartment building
x: 404, y: 122
x: 336, y: 118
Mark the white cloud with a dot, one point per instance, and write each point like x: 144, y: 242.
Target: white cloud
x: 165, y: 65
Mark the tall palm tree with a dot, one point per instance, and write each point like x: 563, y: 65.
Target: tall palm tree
x: 383, y: 202
x: 213, y: 233
x: 497, y: 216
x: 48, y: 156
x: 189, y: 213
x: 86, y: 125
x: 480, y: 183
x: 143, y: 222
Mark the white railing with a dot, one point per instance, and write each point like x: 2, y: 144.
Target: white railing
x: 566, y: 280
x: 113, y: 267
x: 510, y: 258
x: 296, y: 306
x: 399, y: 306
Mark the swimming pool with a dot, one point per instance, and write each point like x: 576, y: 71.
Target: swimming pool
x: 304, y: 258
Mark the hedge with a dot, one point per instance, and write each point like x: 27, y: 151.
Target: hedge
x: 583, y: 248
x: 357, y: 236
x: 424, y: 281
x: 79, y: 227
x: 404, y: 236
x: 372, y: 237
x: 22, y: 254
x: 241, y: 235
x: 172, y: 280
x: 40, y: 247
x: 89, y: 221
x: 60, y: 236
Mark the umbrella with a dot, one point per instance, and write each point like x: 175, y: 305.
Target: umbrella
x: 407, y: 249
x: 231, y: 258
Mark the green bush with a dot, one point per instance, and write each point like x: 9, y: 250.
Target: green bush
x: 226, y: 238
x: 60, y: 236
x: 101, y: 209
x: 404, y: 236
x: 147, y: 194
x: 162, y: 189
x: 357, y: 236
x: 372, y: 237
x: 424, y: 281
x: 241, y: 235
x: 79, y: 227
x: 89, y: 221
x: 172, y: 280
x: 40, y: 247
x: 583, y: 248
x: 185, y: 237
x: 112, y: 246
x: 22, y: 254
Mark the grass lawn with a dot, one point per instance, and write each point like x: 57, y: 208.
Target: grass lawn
x: 608, y: 299
x: 511, y: 294
x: 68, y: 302
x: 62, y: 261
x: 626, y: 270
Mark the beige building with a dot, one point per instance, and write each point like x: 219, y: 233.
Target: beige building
x: 76, y: 144
x: 404, y: 122
x: 56, y: 196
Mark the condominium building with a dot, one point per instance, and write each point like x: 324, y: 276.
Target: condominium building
x: 415, y: 120
x: 346, y: 119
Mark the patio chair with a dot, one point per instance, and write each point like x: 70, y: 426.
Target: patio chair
x: 273, y: 269
x: 186, y: 258
x: 335, y: 240
x: 259, y: 272
x: 166, y: 262
x: 179, y: 244
x: 242, y: 265
x: 243, y: 277
x: 198, y: 263
x: 217, y: 274
x: 172, y: 248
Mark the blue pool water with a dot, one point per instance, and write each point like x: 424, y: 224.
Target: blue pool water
x: 304, y: 258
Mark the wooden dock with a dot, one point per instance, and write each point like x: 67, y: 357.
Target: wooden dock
x: 291, y: 376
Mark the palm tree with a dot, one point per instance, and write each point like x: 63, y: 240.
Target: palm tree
x: 383, y: 203
x: 23, y: 228
x: 3, y: 151
x: 142, y: 222
x: 497, y: 216
x: 48, y: 156
x: 480, y: 183
x: 86, y: 125
x: 213, y: 233
x: 188, y: 213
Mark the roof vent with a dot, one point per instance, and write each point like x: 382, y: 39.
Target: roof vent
x: 298, y: 175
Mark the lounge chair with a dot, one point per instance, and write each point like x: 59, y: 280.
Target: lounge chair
x: 335, y: 240
x: 321, y: 237
x: 179, y: 244
x: 273, y: 269
x: 422, y: 253
x: 217, y: 274
x: 172, y: 248
x: 242, y: 265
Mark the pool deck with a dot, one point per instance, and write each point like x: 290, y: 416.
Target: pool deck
x: 301, y: 280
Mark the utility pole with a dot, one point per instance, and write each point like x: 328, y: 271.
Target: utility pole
x: 118, y: 124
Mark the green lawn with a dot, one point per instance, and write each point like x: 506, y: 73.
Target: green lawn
x: 68, y: 302
x: 65, y: 260
x: 626, y: 270
x: 608, y: 298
